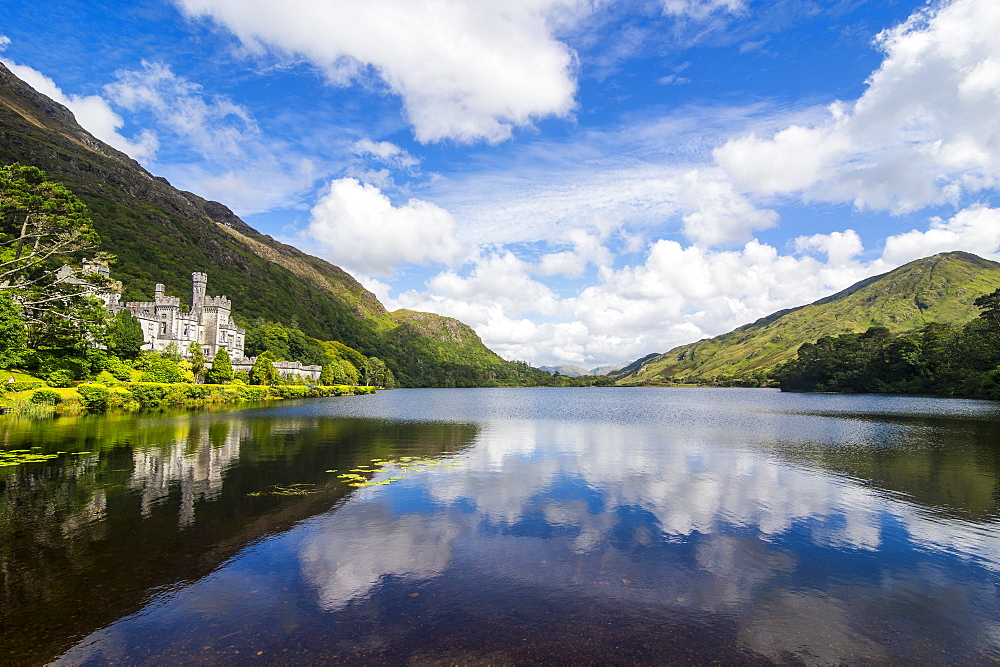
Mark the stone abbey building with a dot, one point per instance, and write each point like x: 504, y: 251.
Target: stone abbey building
x: 208, y: 322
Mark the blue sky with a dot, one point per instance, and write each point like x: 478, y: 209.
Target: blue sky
x: 582, y: 181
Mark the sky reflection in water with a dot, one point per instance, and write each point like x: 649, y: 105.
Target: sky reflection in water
x: 628, y: 525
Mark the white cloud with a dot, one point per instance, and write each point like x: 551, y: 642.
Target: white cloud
x: 465, y: 70
x: 93, y: 112
x: 386, y: 152
x: 700, y: 10
x: 839, y: 247
x: 975, y: 229
x: 677, y: 294
x: 587, y: 249
x: 926, y: 130
x: 357, y: 227
x: 213, y: 127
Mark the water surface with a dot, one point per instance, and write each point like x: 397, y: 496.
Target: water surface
x: 566, y: 525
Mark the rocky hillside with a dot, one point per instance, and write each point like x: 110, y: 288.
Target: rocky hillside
x: 162, y: 234
x: 941, y: 288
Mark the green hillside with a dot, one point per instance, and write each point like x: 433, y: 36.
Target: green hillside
x: 161, y: 235
x: 941, y: 288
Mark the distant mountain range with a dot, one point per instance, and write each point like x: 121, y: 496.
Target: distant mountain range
x: 941, y: 288
x: 577, y: 371
x: 161, y: 235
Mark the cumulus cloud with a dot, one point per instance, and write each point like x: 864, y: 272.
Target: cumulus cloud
x: 975, y: 229
x: 925, y: 131
x: 464, y: 70
x: 586, y: 249
x: 93, y: 112
x: 676, y: 294
x: 359, y: 228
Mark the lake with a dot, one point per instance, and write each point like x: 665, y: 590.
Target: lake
x: 508, y: 526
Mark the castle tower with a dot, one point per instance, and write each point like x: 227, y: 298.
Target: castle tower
x: 158, y: 290
x: 198, y: 282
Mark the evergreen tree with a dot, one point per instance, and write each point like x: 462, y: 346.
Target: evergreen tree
x: 263, y: 370
x: 221, y: 371
x: 124, y: 336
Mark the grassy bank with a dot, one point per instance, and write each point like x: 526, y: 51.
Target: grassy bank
x: 28, y: 396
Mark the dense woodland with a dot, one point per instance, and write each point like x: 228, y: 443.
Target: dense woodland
x: 938, y: 359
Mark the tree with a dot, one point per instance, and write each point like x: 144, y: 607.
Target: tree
x: 13, y: 333
x: 42, y: 223
x: 333, y: 374
x: 377, y: 373
x: 197, y: 358
x: 990, y: 305
x: 263, y: 370
x: 124, y: 336
x: 350, y: 370
x: 172, y: 352
x: 221, y: 371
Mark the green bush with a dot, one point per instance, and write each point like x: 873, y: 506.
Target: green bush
x: 252, y: 392
x: 118, y: 369
x: 22, y: 386
x: 162, y: 370
x: 175, y: 395
x: 95, y: 397
x: 148, y: 395
x: 120, y: 397
x: 60, y: 378
x: 46, y: 397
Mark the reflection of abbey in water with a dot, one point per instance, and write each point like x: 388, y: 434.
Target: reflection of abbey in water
x: 194, y: 461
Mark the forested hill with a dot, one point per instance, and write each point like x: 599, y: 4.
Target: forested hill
x: 161, y: 235
x: 941, y: 288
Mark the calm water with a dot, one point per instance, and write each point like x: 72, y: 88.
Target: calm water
x: 567, y: 525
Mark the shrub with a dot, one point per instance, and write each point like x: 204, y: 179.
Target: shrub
x: 60, y: 378
x: 174, y: 395
x: 22, y: 386
x: 95, y: 397
x: 148, y: 395
x: 120, y: 397
x: 118, y: 369
x: 162, y: 370
x: 46, y: 397
x: 251, y: 392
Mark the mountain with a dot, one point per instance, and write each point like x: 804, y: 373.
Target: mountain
x: 941, y: 288
x: 606, y: 370
x: 567, y: 370
x: 161, y: 235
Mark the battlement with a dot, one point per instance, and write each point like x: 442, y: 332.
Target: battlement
x: 218, y: 302
x: 164, y: 323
